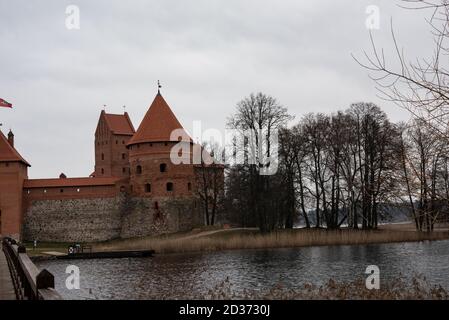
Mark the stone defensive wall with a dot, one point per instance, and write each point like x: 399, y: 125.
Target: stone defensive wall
x: 75, y: 212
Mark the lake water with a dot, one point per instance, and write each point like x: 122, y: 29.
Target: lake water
x: 177, y: 276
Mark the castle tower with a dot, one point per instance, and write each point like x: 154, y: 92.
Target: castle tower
x: 111, y: 137
x: 152, y: 172
x: 13, y: 172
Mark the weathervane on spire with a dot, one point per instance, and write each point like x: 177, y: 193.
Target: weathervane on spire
x: 159, y: 87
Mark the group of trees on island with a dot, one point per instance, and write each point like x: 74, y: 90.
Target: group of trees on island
x: 346, y: 168
x: 350, y: 167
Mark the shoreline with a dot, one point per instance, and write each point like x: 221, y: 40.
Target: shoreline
x: 251, y: 239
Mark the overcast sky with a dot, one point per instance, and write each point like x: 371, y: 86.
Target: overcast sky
x: 208, y: 54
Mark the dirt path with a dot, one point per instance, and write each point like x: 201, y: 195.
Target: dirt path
x: 208, y: 233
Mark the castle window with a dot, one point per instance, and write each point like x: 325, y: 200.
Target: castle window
x: 156, y: 205
x: 28, y: 191
x: 151, y: 144
x: 78, y: 190
x: 102, y: 156
x: 123, y: 170
x: 116, y: 141
x: 123, y: 141
x: 165, y: 143
x: 189, y: 186
x: 102, y: 171
x: 123, y: 156
x: 163, y: 167
x: 61, y: 190
x: 169, y: 186
x: 45, y: 190
x: 139, y: 169
x: 147, y: 188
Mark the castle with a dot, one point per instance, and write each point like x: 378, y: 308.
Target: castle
x: 135, y: 189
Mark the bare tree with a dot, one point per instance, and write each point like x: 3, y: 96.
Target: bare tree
x: 209, y: 182
x: 262, y: 116
x: 419, y: 85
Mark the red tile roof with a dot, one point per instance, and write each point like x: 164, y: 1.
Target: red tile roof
x: 119, y: 123
x: 158, y: 123
x: 70, y: 182
x: 9, y: 153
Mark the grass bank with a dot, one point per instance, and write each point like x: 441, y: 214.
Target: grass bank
x: 230, y: 239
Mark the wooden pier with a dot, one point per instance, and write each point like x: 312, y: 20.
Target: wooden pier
x: 6, y: 285
x: 18, y: 272
x: 108, y: 254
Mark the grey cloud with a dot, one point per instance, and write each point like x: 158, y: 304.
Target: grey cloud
x: 208, y: 54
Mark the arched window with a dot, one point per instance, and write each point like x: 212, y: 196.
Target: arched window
x: 147, y: 188
x: 163, y: 167
x: 139, y: 169
x: 102, y: 171
x: 189, y: 186
x: 169, y: 186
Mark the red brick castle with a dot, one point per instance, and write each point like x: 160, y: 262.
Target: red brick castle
x: 135, y: 189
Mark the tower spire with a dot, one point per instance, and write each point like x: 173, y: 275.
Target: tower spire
x: 159, y: 87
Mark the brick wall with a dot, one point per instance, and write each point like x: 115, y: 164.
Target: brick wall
x: 12, y: 175
x: 100, y: 219
x: 73, y: 220
x: 149, y: 157
x: 154, y: 216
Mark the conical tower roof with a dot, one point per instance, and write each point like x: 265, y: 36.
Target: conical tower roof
x: 158, y: 124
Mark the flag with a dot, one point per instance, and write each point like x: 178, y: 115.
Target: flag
x: 5, y: 104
